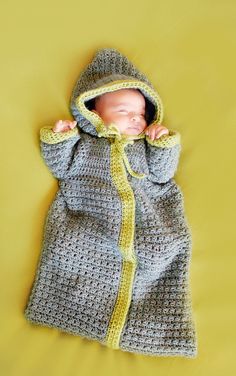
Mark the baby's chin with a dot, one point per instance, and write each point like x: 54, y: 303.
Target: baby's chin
x: 134, y: 131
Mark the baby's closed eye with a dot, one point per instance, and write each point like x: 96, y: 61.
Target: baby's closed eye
x: 127, y: 111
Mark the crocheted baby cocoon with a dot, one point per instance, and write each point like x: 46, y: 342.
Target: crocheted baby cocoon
x: 116, y: 250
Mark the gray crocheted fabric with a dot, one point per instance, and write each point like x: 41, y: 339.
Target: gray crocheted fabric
x: 115, y: 257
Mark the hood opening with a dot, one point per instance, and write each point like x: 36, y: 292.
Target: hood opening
x: 92, y: 123
x: 150, y: 109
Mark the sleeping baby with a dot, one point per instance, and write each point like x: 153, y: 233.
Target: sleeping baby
x: 114, y: 263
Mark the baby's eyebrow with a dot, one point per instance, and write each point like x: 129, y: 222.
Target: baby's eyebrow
x: 119, y: 104
x: 124, y: 104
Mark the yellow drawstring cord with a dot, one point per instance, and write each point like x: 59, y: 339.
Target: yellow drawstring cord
x: 120, y: 141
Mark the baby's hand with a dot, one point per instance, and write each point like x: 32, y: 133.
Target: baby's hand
x: 156, y: 131
x: 64, y: 125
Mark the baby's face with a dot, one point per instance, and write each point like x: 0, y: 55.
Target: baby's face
x: 125, y: 108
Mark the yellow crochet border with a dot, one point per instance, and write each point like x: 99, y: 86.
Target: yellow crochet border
x: 166, y: 140
x: 126, y: 240
x: 48, y: 136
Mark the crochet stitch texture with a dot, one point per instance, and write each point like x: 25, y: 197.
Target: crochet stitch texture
x: 116, y: 251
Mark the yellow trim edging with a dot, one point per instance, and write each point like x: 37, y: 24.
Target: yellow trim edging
x: 120, y: 311
x: 126, y: 240
x: 166, y: 140
x: 48, y: 136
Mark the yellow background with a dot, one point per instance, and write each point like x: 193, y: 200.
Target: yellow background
x: 187, y: 49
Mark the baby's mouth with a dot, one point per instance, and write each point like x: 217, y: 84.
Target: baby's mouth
x: 134, y: 127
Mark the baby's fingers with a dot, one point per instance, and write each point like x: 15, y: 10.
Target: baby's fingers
x: 151, y: 133
x: 64, y: 125
x: 69, y: 124
x: 72, y: 124
x: 154, y: 133
x: 161, y: 132
x: 58, y: 127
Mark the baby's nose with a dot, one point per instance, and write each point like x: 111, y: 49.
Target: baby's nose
x: 135, y: 117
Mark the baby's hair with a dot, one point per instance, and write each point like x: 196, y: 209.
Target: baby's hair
x: 149, y: 107
x: 91, y: 103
